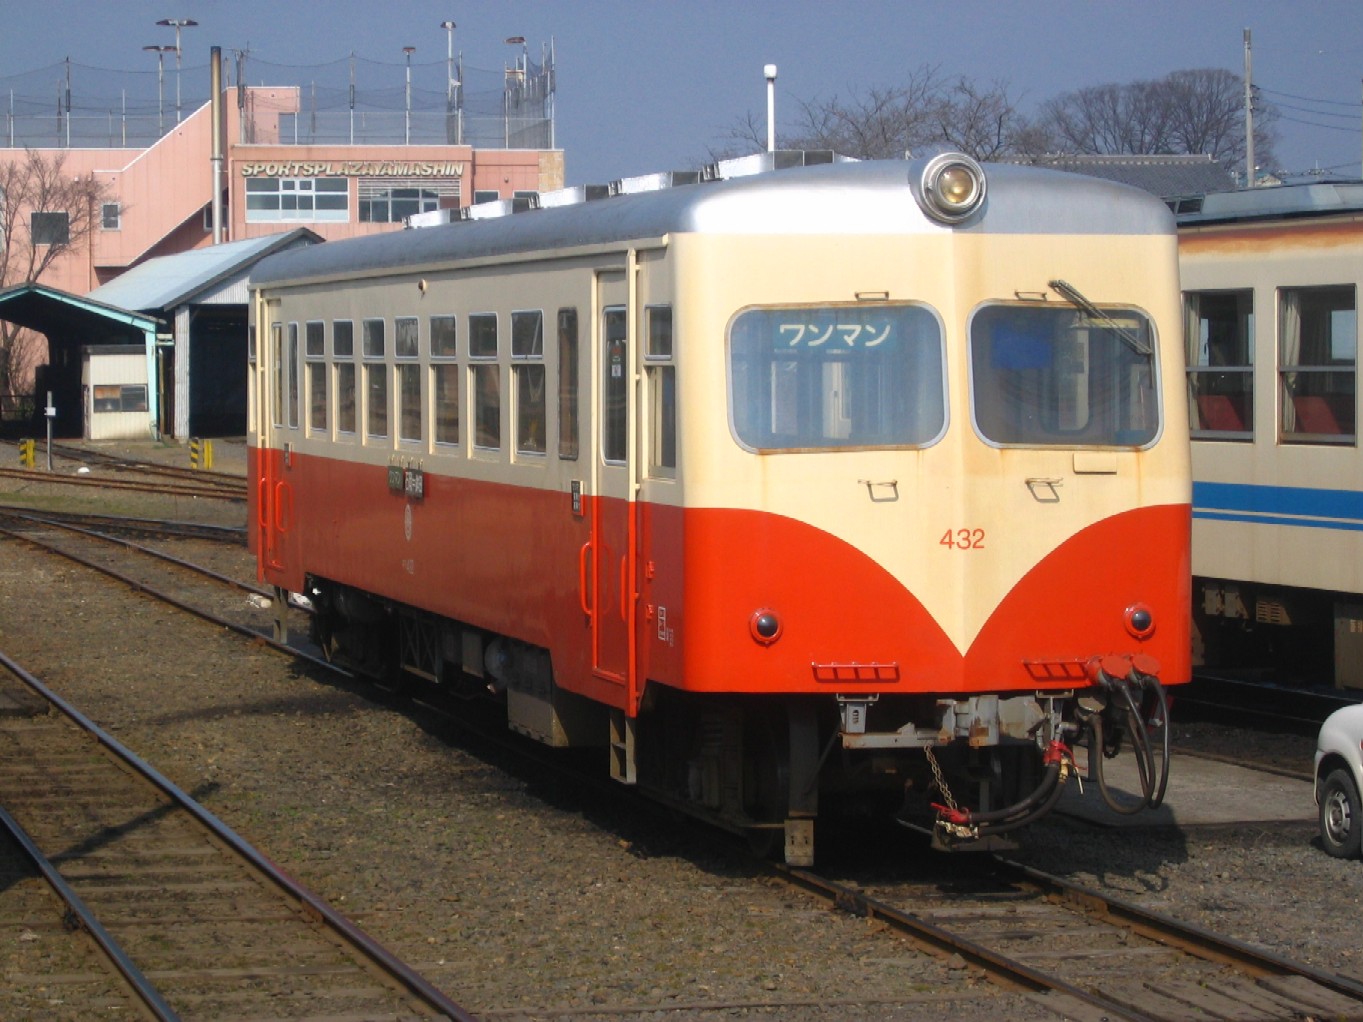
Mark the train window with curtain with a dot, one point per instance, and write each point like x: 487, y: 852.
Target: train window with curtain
x: 1317, y: 363
x: 1219, y: 330
x: 661, y: 378
x: 315, y: 352
x: 615, y: 386
x: 487, y: 381
x: 343, y: 352
x: 831, y: 377
x: 291, y: 372
x: 1052, y: 375
x: 375, y: 379
x: 528, y: 381
x: 406, y: 349
x: 567, y: 384
x: 445, y: 378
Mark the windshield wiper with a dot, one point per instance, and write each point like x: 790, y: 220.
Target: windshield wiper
x: 1076, y: 297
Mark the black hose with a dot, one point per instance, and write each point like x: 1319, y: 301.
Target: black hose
x: 1042, y: 791
x: 989, y: 830
x: 1152, y: 792
x: 1162, y: 706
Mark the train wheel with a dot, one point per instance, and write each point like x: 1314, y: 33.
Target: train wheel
x: 1341, y: 820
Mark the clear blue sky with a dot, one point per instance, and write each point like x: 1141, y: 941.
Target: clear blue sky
x: 646, y: 85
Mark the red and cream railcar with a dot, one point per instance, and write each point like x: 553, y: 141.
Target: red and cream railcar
x: 844, y: 479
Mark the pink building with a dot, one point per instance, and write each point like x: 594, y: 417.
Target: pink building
x: 158, y: 201
x: 283, y: 171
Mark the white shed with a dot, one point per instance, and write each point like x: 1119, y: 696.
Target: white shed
x: 114, y: 382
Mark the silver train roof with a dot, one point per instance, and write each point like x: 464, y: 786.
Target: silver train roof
x: 1273, y: 202
x: 842, y: 198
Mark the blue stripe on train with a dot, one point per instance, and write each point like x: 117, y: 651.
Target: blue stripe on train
x: 1279, y: 505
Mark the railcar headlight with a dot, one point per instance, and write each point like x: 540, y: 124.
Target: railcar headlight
x: 1140, y: 621
x: 952, y: 187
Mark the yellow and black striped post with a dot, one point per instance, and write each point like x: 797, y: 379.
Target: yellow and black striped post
x: 27, y: 453
x: 200, y: 453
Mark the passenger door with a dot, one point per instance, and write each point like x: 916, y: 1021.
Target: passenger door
x: 614, y: 465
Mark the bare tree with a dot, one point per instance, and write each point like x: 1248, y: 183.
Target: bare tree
x: 44, y: 214
x: 890, y: 122
x: 1194, y: 111
x: 981, y: 122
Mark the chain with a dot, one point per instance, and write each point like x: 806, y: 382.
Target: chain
x: 937, y: 776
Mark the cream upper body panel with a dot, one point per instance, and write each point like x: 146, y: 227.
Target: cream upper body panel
x: 896, y: 505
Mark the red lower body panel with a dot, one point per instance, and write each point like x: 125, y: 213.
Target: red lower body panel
x: 521, y: 562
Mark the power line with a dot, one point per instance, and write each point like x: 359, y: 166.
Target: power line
x: 1307, y: 99
x: 1316, y: 124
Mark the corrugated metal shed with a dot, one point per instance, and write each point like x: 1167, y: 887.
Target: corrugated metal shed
x: 201, y: 296
x: 204, y: 276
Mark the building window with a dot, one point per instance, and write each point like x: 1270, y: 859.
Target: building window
x: 50, y: 228
x: 662, y: 391
x: 486, y: 195
x: 1317, y: 363
x: 120, y: 397
x: 343, y: 351
x: 391, y: 202
x: 527, y: 379
x: 297, y: 200
x: 487, y: 382
x: 1219, y: 329
x: 111, y: 216
x: 567, y: 384
x: 376, y: 379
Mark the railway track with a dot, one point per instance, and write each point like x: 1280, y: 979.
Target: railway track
x: 196, y: 922
x: 1085, y: 955
x: 86, y: 468
x: 124, y: 525
x: 1072, y: 952
x: 218, y: 595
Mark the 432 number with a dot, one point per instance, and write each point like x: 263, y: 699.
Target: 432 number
x: 963, y: 539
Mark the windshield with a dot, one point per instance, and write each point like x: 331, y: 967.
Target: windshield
x: 826, y: 377
x: 1063, y: 376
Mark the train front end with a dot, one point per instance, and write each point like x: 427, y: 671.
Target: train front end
x: 938, y: 539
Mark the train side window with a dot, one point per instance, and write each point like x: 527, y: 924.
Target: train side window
x: 527, y: 381
x: 314, y: 352
x: 662, y: 391
x: 615, y: 386
x: 406, y: 349
x: 1318, y: 363
x: 291, y: 372
x: 343, y: 352
x: 375, y: 379
x: 1219, y: 330
x: 487, y: 381
x: 567, y: 384
x: 277, y: 370
x: 445, y: 379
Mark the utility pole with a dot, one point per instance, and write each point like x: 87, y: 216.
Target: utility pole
x: 1249, y: 116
